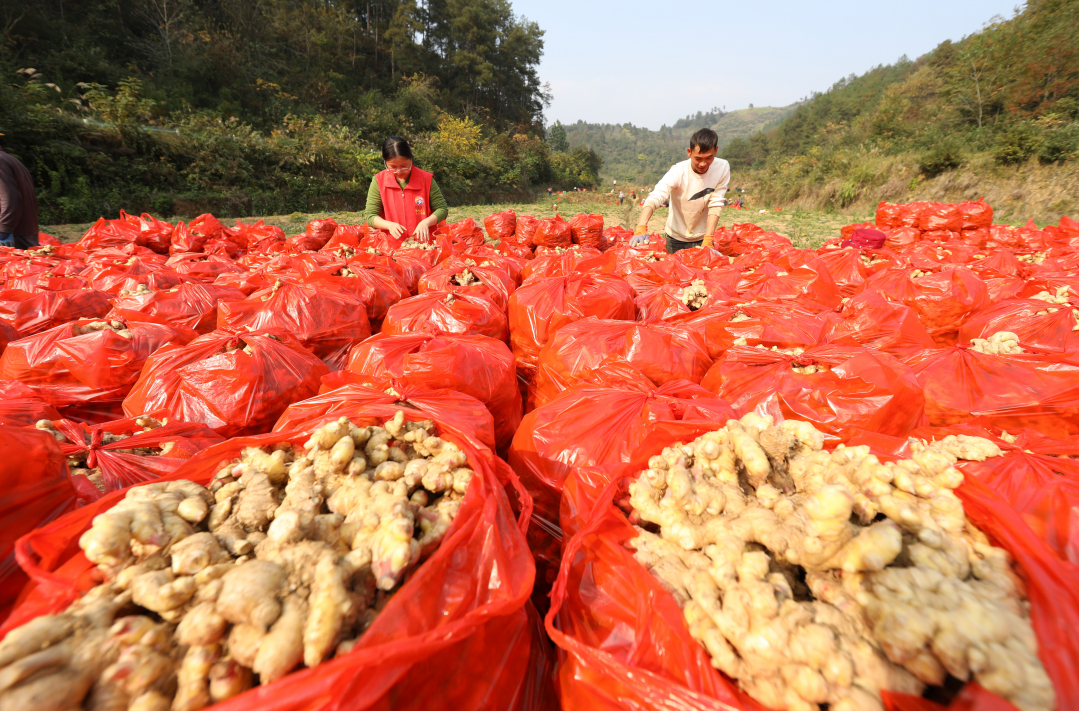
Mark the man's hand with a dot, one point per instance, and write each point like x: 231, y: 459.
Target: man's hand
x: 395, y: 230
x: 707, y: 241
x: 641, y: 230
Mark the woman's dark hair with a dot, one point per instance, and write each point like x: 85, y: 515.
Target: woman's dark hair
x: 396, y: 147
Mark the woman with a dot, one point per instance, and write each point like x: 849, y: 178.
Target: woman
x: 404, y: 200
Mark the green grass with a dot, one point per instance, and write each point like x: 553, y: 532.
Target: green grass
x: 807, y: 229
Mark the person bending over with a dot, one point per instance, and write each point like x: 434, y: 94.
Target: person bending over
x: 404, y: 200
x: 695, y: 188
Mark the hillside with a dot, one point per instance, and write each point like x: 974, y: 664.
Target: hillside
x: 642, y: 155
x: 278, y: 106
x: 994, y: 114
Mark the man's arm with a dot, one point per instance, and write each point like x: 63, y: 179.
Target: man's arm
x: 716, y: 201
x: 10, y: 199
x: 659, y: 194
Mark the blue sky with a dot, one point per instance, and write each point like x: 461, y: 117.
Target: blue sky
x: 650, y: 63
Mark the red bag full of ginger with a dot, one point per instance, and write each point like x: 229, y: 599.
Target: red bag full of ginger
x: 835, y: 388
x: 237, y: 383
x: 478, y: 366
x: 468, y: 600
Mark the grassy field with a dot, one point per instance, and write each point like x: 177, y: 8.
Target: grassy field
x: 805, y: 228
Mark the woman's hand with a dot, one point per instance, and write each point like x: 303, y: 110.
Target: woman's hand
x: 423, y: 231
x: 395, y: 229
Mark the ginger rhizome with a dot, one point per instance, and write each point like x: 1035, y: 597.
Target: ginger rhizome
x: 815, y: 577
x: 283, y: 561
x: 1000, y: 343
x: 695, y: 295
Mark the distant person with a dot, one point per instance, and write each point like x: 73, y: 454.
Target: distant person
x: 18, y: 204
x: 404, y: 200
x: 621, y: 197
x: 633, y: 196
x: 549, y: 195
x: 695, y: 189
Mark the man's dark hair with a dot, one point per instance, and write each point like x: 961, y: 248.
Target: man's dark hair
x: 704, y: 139
x: 396, y: 147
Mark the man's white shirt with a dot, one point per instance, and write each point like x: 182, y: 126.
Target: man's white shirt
x: 688, y: 219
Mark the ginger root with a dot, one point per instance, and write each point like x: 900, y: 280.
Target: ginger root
x: 283, y: 561
x: 815, y: 577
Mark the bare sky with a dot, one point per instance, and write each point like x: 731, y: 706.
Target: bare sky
x: 651, y: 63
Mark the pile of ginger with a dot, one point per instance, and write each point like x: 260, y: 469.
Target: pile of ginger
x: 815, y: 577
x: 283, y: 561
x: 695, y: 295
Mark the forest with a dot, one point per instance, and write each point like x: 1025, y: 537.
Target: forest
x: 240, y: 107
x: 997, y: 100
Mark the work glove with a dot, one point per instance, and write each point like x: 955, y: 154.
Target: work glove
x: 638, y: 240
x: 707, y: 241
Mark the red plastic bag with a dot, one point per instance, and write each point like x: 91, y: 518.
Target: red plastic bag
x: 466, y: 602
x: 1041, y: 327
x: 501, y: 225
x: 235, y: 383
x: 192, y: 237
x: 888, y: 216
x: 846, y: 268
x: 809, y: 285
x: 322, y: 230
x: 328, y: 321
x: 203, y: 267
x: 872, y: 321
x: 68, y: 367
x: 860, y: 388
x: 649, y: 275
x: 20, y: 405
x: 474, y: 365
x: 624, y: 642
x: 976, y: 215
x: 512, y: 264
x: 36, y: 489
x: 1010, y: 392
x: 378, y: 286
x: 464, y: 233
x: 120, y: 467
x: 587, y: 231
x: 553, y: 232
x: 661, y: 352
x: 538, y: 309
x: 191, y: 305
x: 488, y: 279
x: 467, y: 414
x: 590, y: 426
x: 123, y: 232
x: 30, y: 313
x: 442, y: 312
x: 553, y: 264
x: 943, y: 300
x: 258, y: 236
x: 760, y: 323
x: 525, y: 231
x: 940, y: 216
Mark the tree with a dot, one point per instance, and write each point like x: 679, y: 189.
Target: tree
x: 556, y: 137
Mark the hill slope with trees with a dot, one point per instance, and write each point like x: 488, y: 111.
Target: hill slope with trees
x: 642, y: 155
x: 274, y: 106
x: 994, y: 114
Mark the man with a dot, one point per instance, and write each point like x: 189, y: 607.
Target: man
x: 695, y: 189
x: 621, y: 197
x: 18, y: 204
